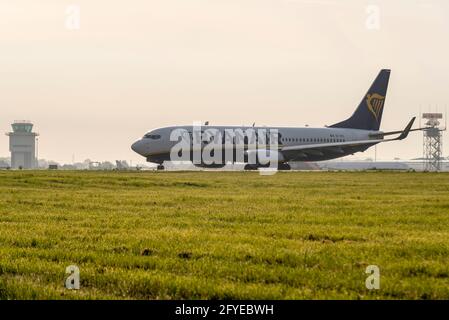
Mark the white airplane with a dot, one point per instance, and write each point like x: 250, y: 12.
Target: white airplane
x: 355, y: 134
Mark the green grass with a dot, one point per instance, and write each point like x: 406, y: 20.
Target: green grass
x: 224, y: 235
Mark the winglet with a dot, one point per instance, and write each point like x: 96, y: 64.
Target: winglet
x: 406, y: 131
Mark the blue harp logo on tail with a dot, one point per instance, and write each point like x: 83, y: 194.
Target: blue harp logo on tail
x: 375, y: 103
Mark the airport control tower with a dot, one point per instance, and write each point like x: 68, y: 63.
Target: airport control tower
x: 22, y: 144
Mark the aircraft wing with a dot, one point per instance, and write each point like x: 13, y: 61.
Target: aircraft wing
x: 301, y: 152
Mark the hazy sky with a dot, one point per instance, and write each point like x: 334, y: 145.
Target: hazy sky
x: 135, y: 65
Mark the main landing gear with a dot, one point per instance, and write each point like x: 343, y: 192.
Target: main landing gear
x: 281, y: 167
x: 284, y: 167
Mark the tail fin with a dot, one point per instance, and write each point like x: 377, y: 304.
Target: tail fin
x: 369, y: 112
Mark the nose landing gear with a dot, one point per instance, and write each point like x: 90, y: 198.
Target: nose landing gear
x: 160, y: 167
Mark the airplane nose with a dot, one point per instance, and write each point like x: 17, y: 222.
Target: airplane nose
x: 138, y: 147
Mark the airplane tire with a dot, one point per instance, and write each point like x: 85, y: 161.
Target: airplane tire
x: 250, y: 167
x: 284, y: 166
x: 160, y: 167
x: 281, y: 167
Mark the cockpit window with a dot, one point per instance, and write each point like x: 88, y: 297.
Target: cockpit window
x: 152, y: 136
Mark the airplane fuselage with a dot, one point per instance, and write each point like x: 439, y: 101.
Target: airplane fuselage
x: 156, y: 144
